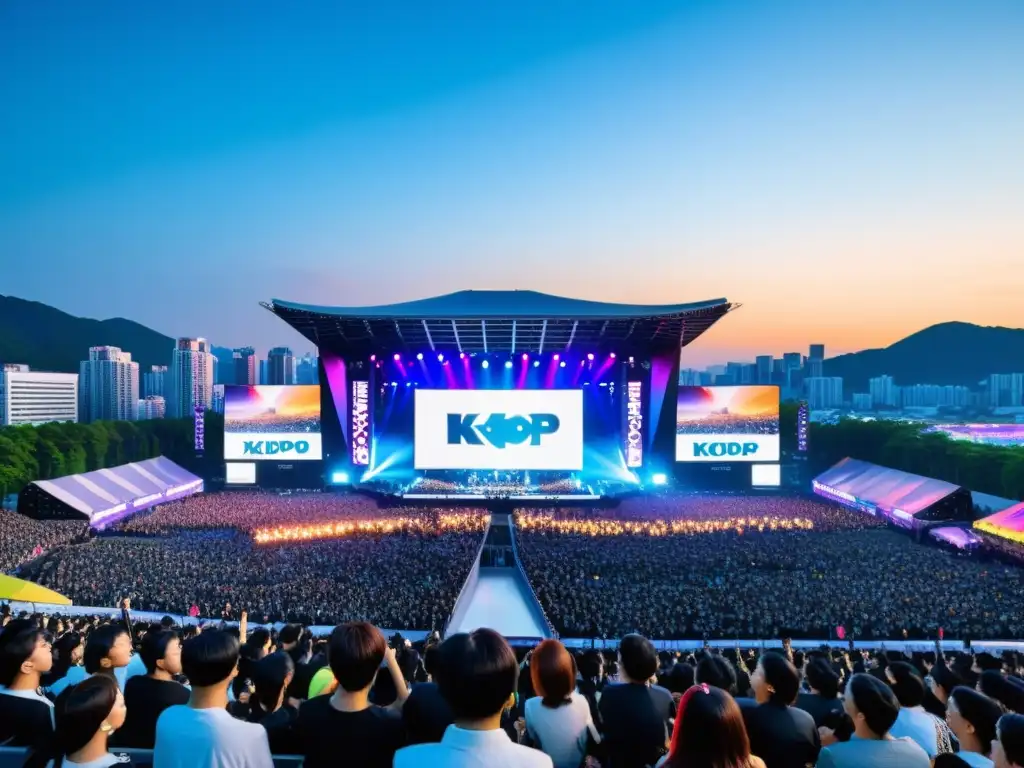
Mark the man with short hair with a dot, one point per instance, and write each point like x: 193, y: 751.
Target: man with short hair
x: 634, y: 713
x: 147, y: 696
x: 344, y: 727
x: 203, y: 733
x: 26, y: 716
x: 477, y: 675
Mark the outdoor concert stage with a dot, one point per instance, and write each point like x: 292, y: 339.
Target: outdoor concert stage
x: 492, y: 394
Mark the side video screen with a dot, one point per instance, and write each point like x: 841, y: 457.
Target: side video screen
x: 722, y: 424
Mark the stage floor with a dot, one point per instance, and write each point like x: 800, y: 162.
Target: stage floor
x: 501, y: 602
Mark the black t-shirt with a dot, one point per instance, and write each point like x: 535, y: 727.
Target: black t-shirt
x: 26, y: 720
x: 426, y: 714
x: 635, y: 719
x: 328, y: 737
x: 145, y: 700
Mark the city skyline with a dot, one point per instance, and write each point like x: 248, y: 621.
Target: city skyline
x: 850, y: 173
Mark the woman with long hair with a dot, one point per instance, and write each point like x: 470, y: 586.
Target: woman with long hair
x: 86, y: 716
x: 709, y: 732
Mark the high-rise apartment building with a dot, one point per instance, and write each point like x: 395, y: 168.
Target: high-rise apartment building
x: 154, y: 382
x: 217, y: 404
x: 33, y: 397
x: 307, y: 370
x: 152, y: 407
x: 191, y: 377
x: 108, y: 386
x: 884, y: 392
x: 280, y: 366
x: 815, y: 367
x: 264, y: 372
x: 245, y: 366
x: 824, y: 392
x: 1006, y: 390
x: 763, y: 365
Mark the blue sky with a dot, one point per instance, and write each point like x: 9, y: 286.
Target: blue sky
x: 850, y: 172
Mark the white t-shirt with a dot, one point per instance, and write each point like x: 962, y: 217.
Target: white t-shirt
x: 106, y: 761
x: 209, y: 738
x: 561, y: 732
x: 975, y: 760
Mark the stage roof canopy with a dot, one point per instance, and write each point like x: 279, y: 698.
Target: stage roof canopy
x: 1008, y: 524
x: 889, y: 489
x: 107, y: 494
x: 502, y: 321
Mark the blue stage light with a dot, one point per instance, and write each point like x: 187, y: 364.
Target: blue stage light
x: 659, y: 478
x: 536, y: 363
x: 419, y: 356
x: 339, y: 478
x: 397, y: 357
x: 590, y: 356
x: 612, y: 355
x: 508, y: 363
x: 485, y: 364
x: 440, y: 357
x: 562, y: 364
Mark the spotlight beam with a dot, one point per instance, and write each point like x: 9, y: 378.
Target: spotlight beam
x: 430, y: 339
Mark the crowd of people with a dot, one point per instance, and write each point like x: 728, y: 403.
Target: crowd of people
x: 22, y: 538
x: 75, y: 691
x: 760, y: 579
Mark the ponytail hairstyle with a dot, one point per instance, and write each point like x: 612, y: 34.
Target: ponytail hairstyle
x: 79, y: 712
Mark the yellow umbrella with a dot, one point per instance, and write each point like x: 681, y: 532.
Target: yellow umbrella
x: 23, y: 591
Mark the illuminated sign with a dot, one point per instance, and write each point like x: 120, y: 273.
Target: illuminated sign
x: 361, y: 423
x: 634, y: 425
x: 801, y: 428
x: 515, y: 429
x: 200, y: 428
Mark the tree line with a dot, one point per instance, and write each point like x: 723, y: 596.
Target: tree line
x: 48, y: 451
x: 997, y: 470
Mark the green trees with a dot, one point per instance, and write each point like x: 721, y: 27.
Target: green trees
x: 54, y: 450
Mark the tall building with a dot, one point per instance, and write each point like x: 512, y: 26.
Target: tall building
x: 264, y: 372
x: 816, y: 361
x: 154, y: 382
x: 861, y: 401
x: 217, y: 404
x: 280, y: 366
x: 1006, y: 390
x: 307, y: 370
x: 152, y: 407
x: 791, y: 360
x: 245, y: 366
x: 824, y: 392
x: 33, y: 397
x: 763, y: 364
x: 884, y: 392
x: 191, y: 377
x: 733, y: 374
x: 108, y: 386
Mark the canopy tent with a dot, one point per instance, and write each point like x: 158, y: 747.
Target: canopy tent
x: 906, y: 499
x: 1008, y: 524
x: 22, y: 591
x: 106, y: 495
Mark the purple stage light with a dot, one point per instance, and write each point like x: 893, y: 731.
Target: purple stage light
x: 556, y: 356
x: 373, y: 358
x: 590, y: 356
x: 397, y: 357
x: 462, y: 355
x: 525, y: 356
x: 612, y: 355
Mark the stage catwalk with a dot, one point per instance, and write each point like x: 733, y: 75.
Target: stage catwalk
x: 501, y: 602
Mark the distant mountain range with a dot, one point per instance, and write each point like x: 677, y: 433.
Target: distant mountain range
x: 47, y: 339
x: 947, y: 353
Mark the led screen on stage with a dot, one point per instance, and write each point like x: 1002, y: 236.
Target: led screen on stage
x: 272, y: 423
x: 240, y: 473
x: 720, y: 424
x: 498, y: 429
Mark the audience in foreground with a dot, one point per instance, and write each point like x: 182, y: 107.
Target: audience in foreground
x: 478, y: 677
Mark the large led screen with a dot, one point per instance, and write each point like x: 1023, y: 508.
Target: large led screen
x: 498, y: 429
x: 272, y: 423
x: 720, y: 424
